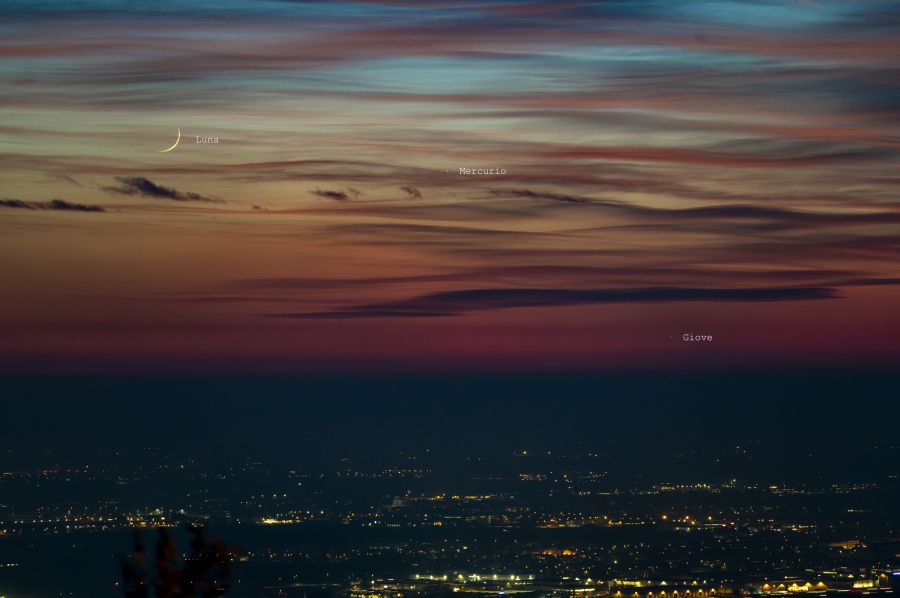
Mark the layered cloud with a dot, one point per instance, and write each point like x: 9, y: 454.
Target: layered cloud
x: 663, y: 162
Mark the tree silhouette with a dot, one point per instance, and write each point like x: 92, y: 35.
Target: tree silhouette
x: 206, y: 572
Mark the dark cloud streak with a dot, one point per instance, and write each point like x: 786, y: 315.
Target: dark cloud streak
x: 457, y: 302
x: 412, y: 192
x: 334, y: 195
x: 144, y: 187
x: 55, y: 204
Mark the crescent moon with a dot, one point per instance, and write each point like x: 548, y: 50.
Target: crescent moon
x: 174, y: 145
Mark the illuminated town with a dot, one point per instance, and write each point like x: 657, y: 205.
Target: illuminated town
x: 526, y: 521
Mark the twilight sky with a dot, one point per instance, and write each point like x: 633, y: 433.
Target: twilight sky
x: 712, y: 167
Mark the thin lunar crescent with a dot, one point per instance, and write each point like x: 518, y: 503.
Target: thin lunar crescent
x: 174, y: 145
